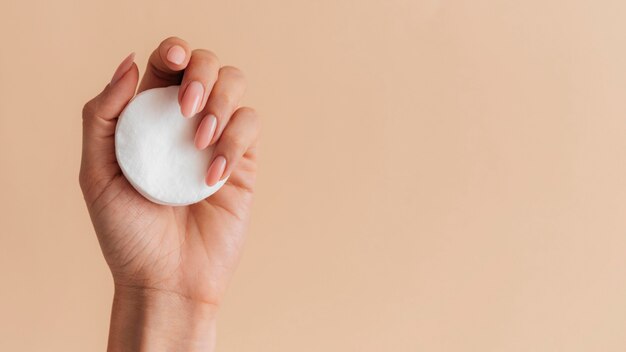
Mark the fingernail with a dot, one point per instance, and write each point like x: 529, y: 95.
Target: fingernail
x: 123, y: 68
x: 205, y: 132
x: 176, y: 55
x: 191, y: 99
x: 216, y: 170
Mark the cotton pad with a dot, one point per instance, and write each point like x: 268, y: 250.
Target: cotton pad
x: 154, y: 145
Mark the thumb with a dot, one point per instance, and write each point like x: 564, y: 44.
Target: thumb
x: 98, y: 164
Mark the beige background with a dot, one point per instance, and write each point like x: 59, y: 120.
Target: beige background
x: 437, y: 175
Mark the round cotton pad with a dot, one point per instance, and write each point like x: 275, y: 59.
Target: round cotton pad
x: 154, y: 144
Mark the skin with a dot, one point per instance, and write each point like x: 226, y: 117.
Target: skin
x: 171, y: 265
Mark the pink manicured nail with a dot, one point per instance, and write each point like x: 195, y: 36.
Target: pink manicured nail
x: 176, y: 55
x: 216, y: 170
x: 126, y: 64
x: 191, y: 99
x: 205, y: 132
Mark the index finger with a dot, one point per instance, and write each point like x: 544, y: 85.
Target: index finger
x: 166, y: 64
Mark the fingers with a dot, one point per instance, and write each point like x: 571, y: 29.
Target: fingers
x: 200, y: 76
x: 99, y: 121
x: 222, y: 103
x: 166, y: 64
x: 213, y: 92
x: 99, y: 112
x: 238, y: 137
x: 196, y: 71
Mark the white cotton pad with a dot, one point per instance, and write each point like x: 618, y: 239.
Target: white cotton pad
x: 154, y: 145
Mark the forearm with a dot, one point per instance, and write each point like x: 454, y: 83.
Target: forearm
x: 152, y: 320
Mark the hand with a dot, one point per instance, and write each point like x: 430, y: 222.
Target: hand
x: 171, y: 265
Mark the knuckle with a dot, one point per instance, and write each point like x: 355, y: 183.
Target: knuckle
x: 206, y: 56
x: 232, y: 72
x: 82, y: 179
x: 235, y: 143
x: 172, y: 39
x: 223, y: 100
x: 248, y: 111
x: 89, y: 109
x: 250, y: 115
x: 85, y: 178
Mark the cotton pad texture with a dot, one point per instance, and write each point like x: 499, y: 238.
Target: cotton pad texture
x: 154, y: 145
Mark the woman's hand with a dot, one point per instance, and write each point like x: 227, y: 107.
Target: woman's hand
x: 171, y: 265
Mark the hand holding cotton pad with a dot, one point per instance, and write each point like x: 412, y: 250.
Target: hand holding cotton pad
x: 154, y: 145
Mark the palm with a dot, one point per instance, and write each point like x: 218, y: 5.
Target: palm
x: 175, y: 248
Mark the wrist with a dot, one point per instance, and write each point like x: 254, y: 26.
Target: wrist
x: 144, y: 319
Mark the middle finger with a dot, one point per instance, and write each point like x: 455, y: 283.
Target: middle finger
x: 198, y: 80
